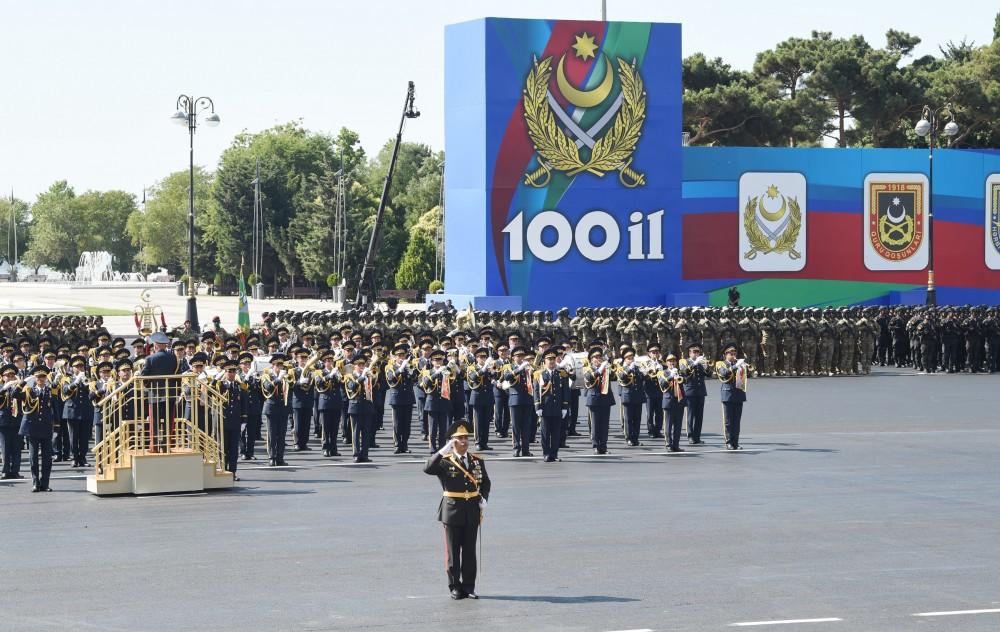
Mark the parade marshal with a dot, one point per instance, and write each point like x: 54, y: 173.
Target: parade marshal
x: 466, y: 489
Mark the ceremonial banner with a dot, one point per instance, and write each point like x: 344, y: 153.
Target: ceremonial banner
x: 993, y: 222
x: 772, y: 222
x: 895, y: 226
x: 564, y: 155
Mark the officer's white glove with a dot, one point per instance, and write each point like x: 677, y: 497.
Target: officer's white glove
x: 482, y: 503
x: 604, y: 367
x: 741, y: 362
x: 701, y: 360
x: 446, y: 448
x: 304, y: 380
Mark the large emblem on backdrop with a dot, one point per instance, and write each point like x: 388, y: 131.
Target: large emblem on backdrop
x: 895, y: 221
x: 772, y: 221
x: 992, y: 228
x: 605, y: 146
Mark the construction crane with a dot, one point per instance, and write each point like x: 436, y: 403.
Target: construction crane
x: 368, y: 269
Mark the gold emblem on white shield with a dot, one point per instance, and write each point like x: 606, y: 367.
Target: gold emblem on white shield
x: 608, y: 143
x: 770, y: 225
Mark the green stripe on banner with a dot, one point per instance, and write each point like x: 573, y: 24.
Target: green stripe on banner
x: 806, y: 292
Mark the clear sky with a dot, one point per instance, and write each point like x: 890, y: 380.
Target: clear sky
x: 89, y: 85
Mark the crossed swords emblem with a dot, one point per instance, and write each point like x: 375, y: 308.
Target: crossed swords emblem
x: 540, y: 177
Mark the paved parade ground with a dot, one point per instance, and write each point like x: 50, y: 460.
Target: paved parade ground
x: 857, y: 502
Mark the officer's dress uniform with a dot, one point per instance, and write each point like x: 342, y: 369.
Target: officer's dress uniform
x: 733, y: 395
x: 465, y: 482
x: 598, y: 398
x: 421, y: 396
x: 329, y: 401
x: 158, y: 394
x: 401, y: 400
x: 37, y: 425
x: 234, y: 406
x: 654, y: 406
x: 302, y: 406
x: 481, y: 401
x: 695, y: 392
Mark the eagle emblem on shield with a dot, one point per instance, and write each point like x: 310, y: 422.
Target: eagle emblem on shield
x: 553, y: 116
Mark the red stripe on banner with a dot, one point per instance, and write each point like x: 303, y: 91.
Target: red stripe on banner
x: 835, y: 251
x: 516, y: 150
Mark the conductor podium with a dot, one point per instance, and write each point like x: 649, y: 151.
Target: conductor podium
x: 160, y: 434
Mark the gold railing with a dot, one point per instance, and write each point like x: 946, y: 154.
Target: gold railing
x: 172, y: 414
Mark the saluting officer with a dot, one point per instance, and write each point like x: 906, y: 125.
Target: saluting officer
x: 466, y: 488
x: 733, y: 374
x: 551, y: 397
x: 598, y: 398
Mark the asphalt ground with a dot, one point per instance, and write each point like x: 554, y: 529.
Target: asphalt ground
x: 857, y: 504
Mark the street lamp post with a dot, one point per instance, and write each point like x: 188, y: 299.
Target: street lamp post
x: 927, y: 126
x: 187, y: 114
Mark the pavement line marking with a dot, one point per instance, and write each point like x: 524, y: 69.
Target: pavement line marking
x: 635, y: 630
x: 954, y: 612
x: 754, y: 623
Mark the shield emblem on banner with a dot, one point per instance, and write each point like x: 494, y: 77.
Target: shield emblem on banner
x: 895, y: 219
x: 994, y: 227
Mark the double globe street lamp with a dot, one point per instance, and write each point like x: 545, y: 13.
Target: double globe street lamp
x: 928, y: 126
x: 187, y: 112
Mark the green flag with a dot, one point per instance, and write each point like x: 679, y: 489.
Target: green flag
x: 243, y: 319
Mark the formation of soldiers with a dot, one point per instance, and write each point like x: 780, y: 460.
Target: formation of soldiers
x: 340, y: 376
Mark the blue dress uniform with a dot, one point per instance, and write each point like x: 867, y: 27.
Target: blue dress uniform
x: 695, y: 392
x: 672, y: 401
x: 158, y: 394
x: 234, y: 407
x: 465, y: 488
x: 329, y: 401
x: 254, y: 404
x: 501, y: 410
x: 274, y: 388
x: 733, y: 394
x: 437, y: 403
x: 520, y: 399
x: 349, y: 354
x: 598, y: 398
x: 99, y: 389
x: 10, y: 442
x: 480, y: 380
x: 37, y: 425
x: 302, y: 404
x: 400, y: 374
x: 551, y: 395
x: 423, y: 364
x: 380, y: 390
x: 456, y: 377
x: 633, y: 395
x: 359, y: 386
x: 654, y: 398
x: 78, y: 412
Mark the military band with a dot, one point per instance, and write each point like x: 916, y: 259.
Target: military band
x: 509, y: 376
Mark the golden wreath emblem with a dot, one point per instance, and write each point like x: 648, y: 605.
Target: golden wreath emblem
x: 762, y: 238
x: 557, y: 151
